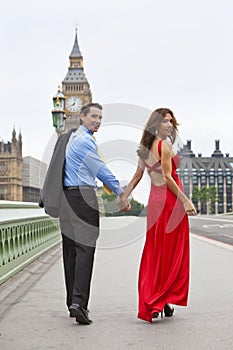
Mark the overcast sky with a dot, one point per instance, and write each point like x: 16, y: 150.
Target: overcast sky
x: 148, y: 53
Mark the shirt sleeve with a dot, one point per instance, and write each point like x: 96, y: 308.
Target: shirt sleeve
x: 98, y: 168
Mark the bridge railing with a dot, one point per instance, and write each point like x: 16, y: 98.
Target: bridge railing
x: 23, y: 240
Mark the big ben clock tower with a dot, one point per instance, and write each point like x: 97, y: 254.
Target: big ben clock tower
x: 75, y: 88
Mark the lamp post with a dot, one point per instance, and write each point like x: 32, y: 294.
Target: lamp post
x: 58, y: 113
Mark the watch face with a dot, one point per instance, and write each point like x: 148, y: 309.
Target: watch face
x: 73, y: 103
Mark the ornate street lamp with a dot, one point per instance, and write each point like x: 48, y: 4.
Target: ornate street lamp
x: 58, y: 112
x: 59, y: 95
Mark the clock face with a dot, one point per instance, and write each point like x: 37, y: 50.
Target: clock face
x: 73, y: 104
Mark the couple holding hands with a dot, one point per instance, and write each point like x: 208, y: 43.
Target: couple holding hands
x: 164, y: 267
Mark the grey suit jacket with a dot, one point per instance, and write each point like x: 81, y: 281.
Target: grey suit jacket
x: 52, y: 197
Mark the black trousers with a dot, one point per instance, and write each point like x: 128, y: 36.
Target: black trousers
x: 80, y: 230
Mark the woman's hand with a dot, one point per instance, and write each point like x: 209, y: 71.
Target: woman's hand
x: 123, y: 203
x: 189, y: 208
x: 127, y: 208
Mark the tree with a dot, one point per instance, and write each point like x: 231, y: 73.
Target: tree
x: 213, y: 197
x: 196, y: 196
x: 204, y: 199
x: 109, y: 197
x: 207, y: 196
x: 136, y: 208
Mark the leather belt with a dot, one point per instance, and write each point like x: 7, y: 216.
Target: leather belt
x: 78, y: 187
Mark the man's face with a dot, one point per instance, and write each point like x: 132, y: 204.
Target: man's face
x: 92, y: 120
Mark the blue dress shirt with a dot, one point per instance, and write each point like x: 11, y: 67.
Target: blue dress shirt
x: 83, y: 163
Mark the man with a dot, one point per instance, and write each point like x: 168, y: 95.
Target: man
x: 79, y: 216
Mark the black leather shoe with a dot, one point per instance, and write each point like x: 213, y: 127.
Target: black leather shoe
x: 80, y: 314
x: 168, y: 310
x: 73, y: 309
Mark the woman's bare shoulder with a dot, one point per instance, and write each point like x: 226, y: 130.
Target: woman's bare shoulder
x: 167, y: 146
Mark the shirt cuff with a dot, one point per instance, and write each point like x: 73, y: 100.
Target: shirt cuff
x: 119, y: 191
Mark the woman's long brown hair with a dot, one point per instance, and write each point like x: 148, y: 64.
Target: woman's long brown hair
x: 153, y: 124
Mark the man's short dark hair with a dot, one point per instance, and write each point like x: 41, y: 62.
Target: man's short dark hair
x: 86, y: 108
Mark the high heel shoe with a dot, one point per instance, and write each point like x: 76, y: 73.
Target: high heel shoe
x: 168, y: 310
x: 156, y: 314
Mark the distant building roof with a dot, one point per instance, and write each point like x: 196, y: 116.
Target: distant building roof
x: 216, y: 161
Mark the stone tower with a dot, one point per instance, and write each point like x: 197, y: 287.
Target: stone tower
x: 11, y: 174
x: 75, y: 87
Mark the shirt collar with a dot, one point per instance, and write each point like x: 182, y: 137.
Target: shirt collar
x: 82, y: 128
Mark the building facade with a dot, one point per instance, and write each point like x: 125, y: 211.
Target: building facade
x: 33, y: 176
x: 216, y: 171
x: 20, y: 178
x: 11, y: 163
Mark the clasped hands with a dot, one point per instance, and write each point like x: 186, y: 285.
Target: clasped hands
x: 123, y: 203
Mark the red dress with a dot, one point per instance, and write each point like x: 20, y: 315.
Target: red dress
x: 164, y: 268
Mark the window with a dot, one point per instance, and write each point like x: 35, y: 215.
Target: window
x: 220, y: 179
x: 186, y: 179
x: 2, y: 168
x: 228, y: 180
x: 2, y: 192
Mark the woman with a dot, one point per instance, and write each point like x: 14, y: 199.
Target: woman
x: 164, y: 268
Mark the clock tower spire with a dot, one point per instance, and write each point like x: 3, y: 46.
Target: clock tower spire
x: 75, y: 87
x: 76, y: 59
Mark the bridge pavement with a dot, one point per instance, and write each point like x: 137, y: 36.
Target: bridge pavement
x: 34, y: 316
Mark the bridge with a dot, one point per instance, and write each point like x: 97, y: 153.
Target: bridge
x: 33, y: 314
x: 25, y: 233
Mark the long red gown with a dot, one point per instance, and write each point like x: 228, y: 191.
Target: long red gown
x: 164, y: 268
